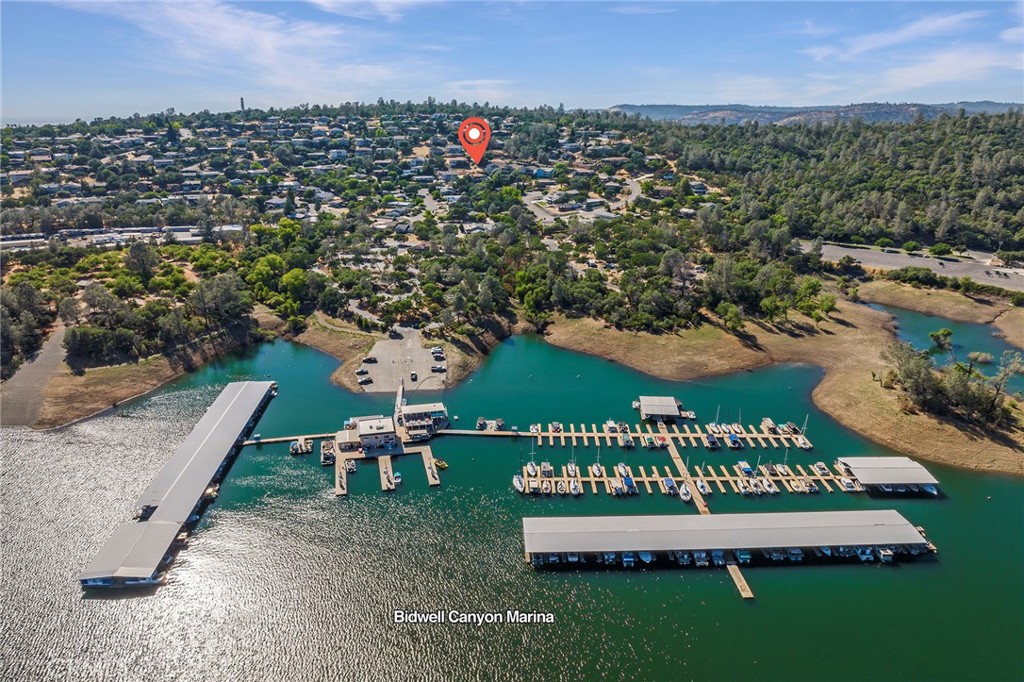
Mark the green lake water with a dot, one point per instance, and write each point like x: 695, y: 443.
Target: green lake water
x: 968, y: 337
x: 283, y: 581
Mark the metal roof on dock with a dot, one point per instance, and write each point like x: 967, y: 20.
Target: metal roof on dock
x: 133, y: 551
x: 719, y: 531
x: 879, y: 470
x: 181, y: 482
x: 659, y: 406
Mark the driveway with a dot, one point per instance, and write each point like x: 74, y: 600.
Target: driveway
x: 397, y: 359
x: 1013, y: 278
x: 530, y: 199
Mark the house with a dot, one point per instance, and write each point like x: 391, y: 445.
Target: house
x: 544, y: 173
x: 698, y: 188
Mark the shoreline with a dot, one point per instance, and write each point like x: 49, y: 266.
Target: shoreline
x: 847, y: 349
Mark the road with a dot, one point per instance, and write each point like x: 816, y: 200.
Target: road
x: 21, y: 397
x: 634, y: 192
x: 1013, y: 278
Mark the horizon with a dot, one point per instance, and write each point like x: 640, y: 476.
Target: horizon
x: 131, y: 57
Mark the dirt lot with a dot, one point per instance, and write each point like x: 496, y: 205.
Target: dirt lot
x: 397, y: 358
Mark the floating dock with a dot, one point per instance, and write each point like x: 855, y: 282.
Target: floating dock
x: 135, y: 553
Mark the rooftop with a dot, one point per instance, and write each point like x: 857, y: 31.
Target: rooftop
x: 659, y: 406
x: 719, y: 531
x: 179, y: 485
x: 878, y: 470
x: 133, y: 551
x: 373, y: 427
x: 421, y: 409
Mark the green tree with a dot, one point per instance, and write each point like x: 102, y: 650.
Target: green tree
x: 911, y: 246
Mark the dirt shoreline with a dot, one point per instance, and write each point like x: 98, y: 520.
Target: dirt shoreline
x: 847, y: 348
x: 1008, y: 319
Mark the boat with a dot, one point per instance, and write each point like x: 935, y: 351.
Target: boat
x: 534, y: 486
x: 769, y: 425
x: 545, y: 487
x: 822, y: 469
x: 350, y: 466
x: 711, y: 441
x: 792, y: 428
x: 742, y: 485
x: 914, y: 487
x: 797, y: 485
x: 571, y: 469
x: 531, y: 468
x: 561, y: 488
x: 811, y: 486
x: 518, y: 484
x: 534, y: 428
x: 595, y: 469
x: 257, y: 437
x: 621, y: 468
x: 611, y: 427
x: 885, y: 555
x: 574, y: 487
x: 670, y: 486
x: 770, y: 486
x: 440, y: 464
x: 690, y: 414
x: 930, y: 489
x: 572, y: 558
x: 684, y: 492
x: 802, y: 443
x: 864, y: 554
x: 616, y: 487
x: 327, y: 456
x: 627, y: 482
x: 481, y: 423
x: 734, y: 442
x: 646, y: 557
x: 742, y: 556
x: 553, y: 558
x: 795, y: 554
x: 700, y: 558
x: 756, y: 487
x: 737, y: 427
x: 771, y: 469
x: 783, y: 470
x: 900, y: 488
x: 718, y: 557
x: 628, y: 560
x: 398, y: 478
x: 827, y: 551
x: 499, y: 424
x: 885, y: 487
x: 726, y: 429
x: 848, y: 485
x: 713, y: 428
x: 636, y: 404
x: 685, y: 558
x: 702, y: 486
x: 610, y: 558
x: 294, y: 449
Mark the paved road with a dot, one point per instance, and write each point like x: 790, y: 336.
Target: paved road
x: 634, y: 192
x: 429, y: 203
x: 21, y: 396
x: 975, y: 269
x: 397, y: 359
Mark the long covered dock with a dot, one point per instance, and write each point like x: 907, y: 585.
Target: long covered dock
x: 135, y: 552
x: 878, y: 471
x: 686, y: 532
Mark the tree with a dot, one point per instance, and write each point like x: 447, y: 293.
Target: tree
x: 940, y: 249
x: 142, y: 259
x: 884, y: 243
x: 730, y: 314
x: 911, y: 246
x: 70, y: 310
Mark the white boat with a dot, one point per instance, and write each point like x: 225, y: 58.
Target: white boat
x: 684, y: 492
x: 783, y: 470
x: 572, y: 558
x: 770, y: 486
x: 691, y: 414
x: 621, y: 468
x: 930, y: 488
x: 885, y: 487
x: 812, y: 487
x: 802, y: 443
x: 531, y: 468
x: 571, y: 468
x: 534, y: 486
x: 595, y: 469
x: 848, y: 485
x: 865, y: 554
x: 646, y: 557
x: 797, y: 485
x: 756, y: 486
x: 350, y: 466
x: 545, y: 487
x: 560, y: 487
x: 518, y: 483
x: 574, y: 487
x: 398, y: 478
x: 742, y: 485
x: 702, y: 486
x: 713, y: 428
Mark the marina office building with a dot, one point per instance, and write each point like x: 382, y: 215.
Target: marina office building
x: 137, y: 552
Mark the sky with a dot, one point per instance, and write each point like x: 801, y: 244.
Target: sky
x: 87, y: 58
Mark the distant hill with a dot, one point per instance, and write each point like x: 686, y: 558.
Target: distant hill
x: 743, y: 113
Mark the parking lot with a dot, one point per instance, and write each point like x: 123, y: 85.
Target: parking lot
x: 397, y: 358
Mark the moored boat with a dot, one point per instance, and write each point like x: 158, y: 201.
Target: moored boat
x: 684, y: 492
x: 574, y: 487
x: 561, y: 488
x: 646, y: 557
x: 531, y: 468
x: 518, y: 483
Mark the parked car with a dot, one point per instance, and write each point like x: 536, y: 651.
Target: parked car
x: 413, y: 376
x: 438, y: 368
x: 369, y: 359
x: 365, y: 380
x: 362, y: 370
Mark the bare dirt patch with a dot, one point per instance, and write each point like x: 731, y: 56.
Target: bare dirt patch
x: 342, y: 340
x: 951, y: 304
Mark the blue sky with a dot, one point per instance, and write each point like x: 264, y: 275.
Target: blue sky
x: 87, y: 58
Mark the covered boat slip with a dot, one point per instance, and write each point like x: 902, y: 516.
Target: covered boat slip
x: 132, y: 555
x: 887, y: 470
x: 589, y: 534
x: 653, y: 407
x: 179, y: 485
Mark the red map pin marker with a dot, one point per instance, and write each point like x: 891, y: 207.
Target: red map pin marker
x: 475, y: 134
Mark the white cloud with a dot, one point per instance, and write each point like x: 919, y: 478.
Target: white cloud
x: 811, y: 28
x: 932, y: 25
x: 1013, y: 35
x: 641, y: 9
x: 392, y: 10
x: 967, y: 63
x: 286, y: 57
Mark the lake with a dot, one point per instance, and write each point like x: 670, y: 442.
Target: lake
x: 283, y: 581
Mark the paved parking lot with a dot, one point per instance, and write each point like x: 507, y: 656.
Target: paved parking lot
x: 397, y: 359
